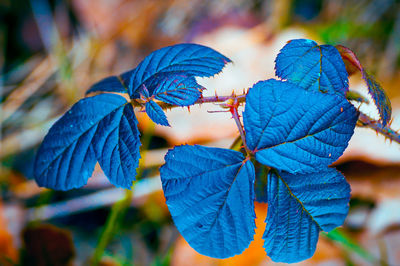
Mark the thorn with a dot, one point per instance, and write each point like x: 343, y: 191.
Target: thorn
x: 188, y: 108
x: 341, y: 109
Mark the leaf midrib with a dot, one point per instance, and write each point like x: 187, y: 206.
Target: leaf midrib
x: 80, y: 135
x: 298, y: 200
x: 306, y: 136
x: 174, y: 64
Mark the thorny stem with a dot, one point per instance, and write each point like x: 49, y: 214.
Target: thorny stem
x: 363, y: 120
x: 366, y: 121
x: 209, y: 99
x: 235, y: 116
x: 111, y: 226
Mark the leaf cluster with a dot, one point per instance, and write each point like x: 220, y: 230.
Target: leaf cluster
x: 294, y: 128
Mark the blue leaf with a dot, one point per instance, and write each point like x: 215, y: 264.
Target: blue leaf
x: 156, y: 113
x: 112, y: 84
x: 380, y: 98
x: 66, y: 158
x: 181, y: 91
x: 260, y: 184
x: 296, y: 130
x: 172, y: 62
x: 116, y: 144
x: 313, y: 67
x: 210, y: 195
x: 299, y: 207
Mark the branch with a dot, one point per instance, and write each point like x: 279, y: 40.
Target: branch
x: 210, y: 99
x: 363, y: 120
x: 366, y: 121
x: 235, y: 116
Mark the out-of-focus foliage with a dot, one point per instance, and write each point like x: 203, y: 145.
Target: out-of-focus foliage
x: 47, y: 245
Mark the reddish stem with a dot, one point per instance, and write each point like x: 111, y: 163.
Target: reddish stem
x: 235, y: 115
x: 219, y: 99
x: 366, y: 121
x: 363, y: 119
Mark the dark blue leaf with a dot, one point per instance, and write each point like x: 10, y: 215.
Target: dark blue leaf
x: 380, y: 98
x: 112, y: 84
x: 170, y: 63
x: 144, y: 93
x: 210, y: 195
x: 156, y: 113
x: 116, y: 145
x: 299, y: 207
x: 313, y: 67
x: 296, y: 130
x: 181, y: 91
x: 260, y: 184
x: 66, y: 158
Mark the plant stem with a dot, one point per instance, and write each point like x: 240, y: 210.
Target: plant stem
x: 119, y: 208
x: 110, y: 226
x: 209, y: 99
x: 215, y: 99
x: 235, y: 116
x: 339, y: 236
x: 366, y: 121
x: 363, y: 120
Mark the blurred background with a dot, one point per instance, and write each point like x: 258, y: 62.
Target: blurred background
x: 51, y: 51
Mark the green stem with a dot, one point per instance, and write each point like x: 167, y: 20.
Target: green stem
x: 111, y: 225
x: 119, y: 208
x: 340, y: 237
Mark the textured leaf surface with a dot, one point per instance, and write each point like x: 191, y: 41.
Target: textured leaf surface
x: 296, y: 130
x: 181, y: 91
x: 112, y: 84
x: 170, y: 63
x: 299, y: 207
x: 313, y: 67
x: 116, y: 145
x: 260, y: 184
x: 377, y: 93
x: 210, y: 195
x: 350, y: 60
x: 66, y: 158
x: 156, y: 113
x: 380, y: 98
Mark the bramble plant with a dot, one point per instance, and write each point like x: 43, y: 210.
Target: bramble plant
x: 293, y: 130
